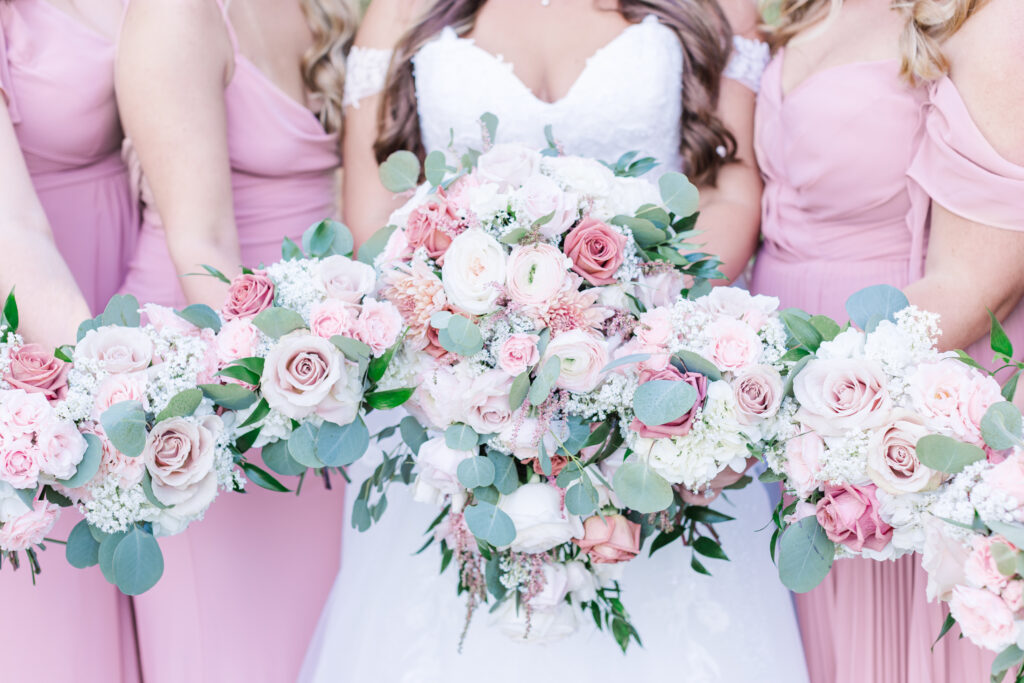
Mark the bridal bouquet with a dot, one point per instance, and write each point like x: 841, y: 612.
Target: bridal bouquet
x: 876, y: 423
x: 522, y: 278
x: 302, y: 345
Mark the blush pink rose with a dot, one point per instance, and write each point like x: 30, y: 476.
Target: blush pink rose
x: 654, y: 329
x: 610, y: 540
x: 682, y: 425
x: 23, y: 414
x: 849, y: 515
x: 299, y: 373
x: 117, y: 388
x: 841, y: 395
x: 19, y: 463
x: 734, y: 344
x: 596, y: 250
x: 983, y: 617
x: 237, y: 339
x: 163, y: 318
x: 60, y: 449
x: 35, y: 370
x: 489, y: 411
x: 379, y: 325
x: 432, y: 225
x: 248, y: 295
x: 180, y: 455
x: 953, y: 397
x: 1013, y: 595
x: 542, y: 196
x: 892, y: 456
x: 334, y: 317
x: 660, y: 288
x: 30, y: 528
x: 117, y: 349
x: 345, y: 279
x: 758, y: 392
x: 508, y: 165
x: 1008, y: 477
x: 519, y: 353
x: 980, y: 568
x: 802, y: 462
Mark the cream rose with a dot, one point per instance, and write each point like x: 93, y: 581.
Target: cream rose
x: 892, y: 456
x: 116, y: 349
x: 180, y: 457
x: 341, y: 405
x: 508, y: 165
x: 758, y: 392
x: 734, y: 344
x: 489, y: 410
x: 345, y: 279
x: 536, y: 274
x: 582, y: 356
x: 474, y: 272
x: 299, y: 373
x: 841, y: 395
x: 438, y: 466
x: 541, y: 196
x: 540, y: 520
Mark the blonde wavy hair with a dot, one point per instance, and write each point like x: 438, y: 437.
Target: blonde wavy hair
x: 929, y: 24
x: 333, y: 24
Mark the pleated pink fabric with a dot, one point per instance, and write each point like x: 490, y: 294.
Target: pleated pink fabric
x: 57, y: 81
x: 851, y: 159
x: 243, y: 589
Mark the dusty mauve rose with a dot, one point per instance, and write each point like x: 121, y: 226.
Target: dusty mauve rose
x: 179, y: 455
x: 518, y: 353
x: 35, y: 370
x: 332, y: 317
x: 682, y: 425
x: 536, y: 273
x: 610, y: 540
x: 849, y: 515
x: 299, y: 373
x: 248, y: 295
x: 758, y: 392
x: 660, y: 288
x: 892, y: 456
x: 379, y: 325
x: 117, y: 349
x: 432, y: 225
x: 29, y: 528
x: 596, y: 250
x: 983, y: 617
x: 842, y: 394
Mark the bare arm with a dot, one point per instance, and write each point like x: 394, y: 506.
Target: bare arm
x: 173, y: 63
x: 50, y: 303
x: 970, y: 266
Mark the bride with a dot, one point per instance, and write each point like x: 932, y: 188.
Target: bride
x: 665, y: 78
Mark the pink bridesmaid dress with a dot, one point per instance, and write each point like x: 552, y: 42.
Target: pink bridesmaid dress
x: 851, y: 158
x: 57, y: 82
x: 243, y: 589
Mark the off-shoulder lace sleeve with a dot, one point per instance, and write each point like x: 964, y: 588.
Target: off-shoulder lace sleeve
x: 747, y: 63
x: 6, y: 87
x: 366, y: 73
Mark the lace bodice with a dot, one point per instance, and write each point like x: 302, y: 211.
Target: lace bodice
x: 627, y: 98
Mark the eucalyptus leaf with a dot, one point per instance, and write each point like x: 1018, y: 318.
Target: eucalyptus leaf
x: 582, y: 498
x: 872, y: 304
x: 372, y: 247
x: 490, y: 524
x: 1001, y: 426
x: 461, y: 437
x: 302, y: 445
x: 202, y: 316
x: 342, y: 445
x: 355, y: 350
x: 276, y: 322
x: 1014, y: 533
x: 678, y: 194
x: 644, y: 232
x: 1005, y: 558
x: 520, y: 387
x: 626, y: 360
x: 490, y: 123
x: 27, y: 496
x: 476, y: 471
x: 124, y: 424
x: 661, y: 401
x: 461, y: 336
x: 1009, y: 657
x: 506, y: 476
x: 693, y: 362
x: 137, y: 562
x: 545, y: 381
x: 122, y: 310
x: 182, y: 404
x: 230, y: 396
x: 513, y: 236
x: 641, y: 488
x: 947, y: 455
x: 805, y: 555
x: 413, y: 433
x: 82, y: 550
x: 328, y: 238
x: 827, y: 327
x: 400, y: 172
x: 278, y: 459
x: 435, y: 166
x: 106, y: 554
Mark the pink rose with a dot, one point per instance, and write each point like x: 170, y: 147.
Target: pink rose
x: 943, y: 558
x: 734, y: 344
x: 334, y: 317
x: 610, y: 540
x: 432, y: 225
x: 660, y: 288
x: 983, y: 617
x: 248, y: 295
x: 519, y: 353
x: 508, y: 165
x: 489, y: 410
x: 758, y: 392
x: 1008, y: 477
x: 128, y: 471
x: 654, y: 329
x: 117, y: 388
x: 23, y: 414
x: 892, y: 456
x: 19, y: 464
x: 299, y: 372
x: 237, y: 338
x: 1013, y: 595
x: 60, y: 449
x: 180, y: 455
x: 953, y: 397
x: 116, y: 349
x: 595, y: 250
x: 803, y: 462
x: 738, y: 303
x: 164, y: 318
x: 849, y: 515
x: 37, y: 371
x: 680, y: 426
x: 345, y: 279
x: 542, y: 196
x: 30, y: 528
x: 726, y: 477
x: 379, y: 325
x: 396, y: 250
x: 583, y: 356
x: 840, y: 395
x: 535, y: 274
x: 980, y: 568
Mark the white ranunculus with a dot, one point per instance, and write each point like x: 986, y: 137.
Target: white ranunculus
x: 438, y: 467
x: 474, y: 272
x: 582, y: 356
x: 536, y: 273
x: 546, y: 625
x: 508, y: 165
x: 540, y: 520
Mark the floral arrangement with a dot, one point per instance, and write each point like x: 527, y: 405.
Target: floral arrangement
x: 529, y: 283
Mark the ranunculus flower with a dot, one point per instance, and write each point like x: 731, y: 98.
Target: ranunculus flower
x: 432, y: 225
x: 118, y: 388
x: 536, y: 274
x: 117, y: 349
x: 19, y: 464
x: 379, y: 325
x: 803, y: 461
x: 682, y: 425
x: 299, y: 373
x: 849, y: 515
x: 980, y: 568
x: 596, y: 250
x: 248, y: 295
x: 611, y: 539
x: 23, y: 414
x: 582, y: 355
x: 345, y: 279
x: 60, y: 449
x: 541, y: 196
x: 30, y: 528
x: 489, y: 410
x: 179, y: 455
x: 508, y: 165
x: 734, y: 344
x: 892, y: 456
x: 332, y: 317
x: 540, y: 519
x: 237, y: 339
x: 437, y: 475
x: 474, y: 272
x: 758, y: 392
x: 660, y: 288
x: 518, y: 353
x: 35, y: 370
x: 983, y: 617
x: 841, y: 395
x: 952, y: 397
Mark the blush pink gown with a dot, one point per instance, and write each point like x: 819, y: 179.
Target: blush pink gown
x: 851, y: 159
x: 242, y: 590
x: 57, y: 81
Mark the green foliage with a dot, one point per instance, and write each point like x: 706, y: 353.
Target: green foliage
x: 661, y: 401
x: 276, y: 322
x: 400, y: 172
x: 641, y: 488
x: 805, y: 555
x: 947, y: 455
x: 124, y: 424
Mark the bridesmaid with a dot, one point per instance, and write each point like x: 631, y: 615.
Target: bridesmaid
x: 68, y: 220
x: 234, y: 112
x: 890, y: 144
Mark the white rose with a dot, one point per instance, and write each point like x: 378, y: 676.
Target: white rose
x: 536, y: 273
x: 546, y: 625
x: 345, y: 279
x: 442, y: 394
x: 489, y: 410
x: 485, y: 200
x: 586, y: 176
x: 848, y: 344
x: 341, y: 406
x: 582, y: 584
x: 540, y: 520
x: 175, y: 519
x: 556, y: 586
x: 541, y: 196
x: 474, y: 272
x: 582, y: 356
x: 508, y: 165
x: 438, y: 466
x: 632, y: 193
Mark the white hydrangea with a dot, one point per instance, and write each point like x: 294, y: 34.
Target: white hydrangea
x: 845, y: 459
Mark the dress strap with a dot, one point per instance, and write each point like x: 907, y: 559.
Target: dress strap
x: 366, y: 73
x: 223, y: 5
x: 6, y: 82
x: 747, y: 62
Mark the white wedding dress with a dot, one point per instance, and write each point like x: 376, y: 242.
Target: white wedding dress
x: 391, y: 618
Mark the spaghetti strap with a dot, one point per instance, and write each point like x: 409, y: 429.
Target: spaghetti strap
x: 223, y: 6
x: 6, y: 82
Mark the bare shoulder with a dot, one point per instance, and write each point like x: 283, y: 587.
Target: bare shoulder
x: 195, y: 25
x: 386, y: 21
x: 743, y: 17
